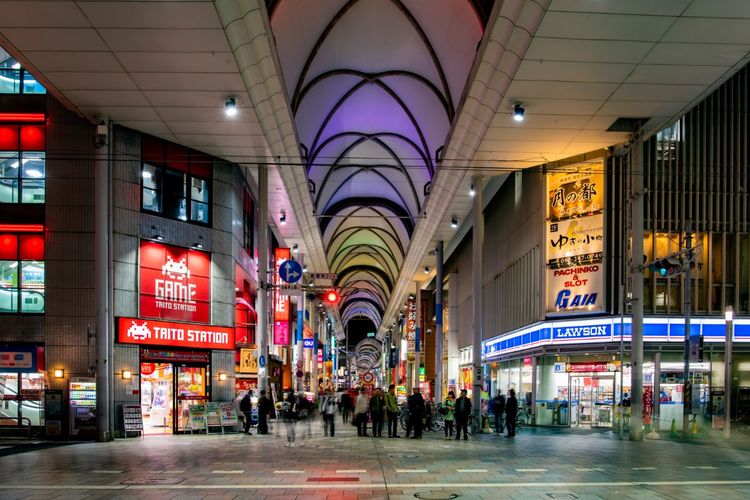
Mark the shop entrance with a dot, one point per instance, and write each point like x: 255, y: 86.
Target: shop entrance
x: 163, y: 413
x: 591, y: 400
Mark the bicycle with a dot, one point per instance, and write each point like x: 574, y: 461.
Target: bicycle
x: 523, y: 418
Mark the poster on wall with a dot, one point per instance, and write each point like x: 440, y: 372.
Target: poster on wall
x: 248, y: 362
x: 575, y: 239
x: 175, y: 283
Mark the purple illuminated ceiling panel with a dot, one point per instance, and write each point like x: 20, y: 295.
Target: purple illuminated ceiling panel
x: 373, y: 86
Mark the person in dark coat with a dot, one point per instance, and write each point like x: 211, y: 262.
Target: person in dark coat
x: 346, y: 406
x: 462, y: 412
x: 415, y: 402
x: 511, y: 412
x: 498, y: 409
x: 377, y: 411
x: 264, y: 409
x: 246, y: 407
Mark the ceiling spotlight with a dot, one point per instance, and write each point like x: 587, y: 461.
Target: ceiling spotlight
x: 197, y: 245
x: 282, y: 218
x: 230, y: 106
x: 295, y: 248
x: 427, y: 269
x: 454, y: 222
x: 304, y: 268
x: 471, y: 190
x: 518, y: 112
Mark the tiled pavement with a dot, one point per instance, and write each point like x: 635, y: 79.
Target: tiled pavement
x: 533, y: 465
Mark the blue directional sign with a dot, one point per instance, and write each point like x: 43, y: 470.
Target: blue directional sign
x: 290, y: 271
x: 262, y: 361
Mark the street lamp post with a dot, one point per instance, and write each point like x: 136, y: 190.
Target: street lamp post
x: 728, y: 335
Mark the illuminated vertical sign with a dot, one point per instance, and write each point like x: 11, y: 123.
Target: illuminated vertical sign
x: 411, y: 323
x: 175, y: 283
x: 575, y: 238
x: 280, y: 302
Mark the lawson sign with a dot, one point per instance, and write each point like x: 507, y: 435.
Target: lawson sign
x: 602, y: 330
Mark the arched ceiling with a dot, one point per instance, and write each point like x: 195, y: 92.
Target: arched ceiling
x: 373, y: 87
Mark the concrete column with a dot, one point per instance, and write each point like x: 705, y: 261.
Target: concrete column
x: 453, y: 352
x: 439, y: 322
x: 314, y: 371
x: 657, y: 391
x: 101, y: 265
x: 476, y: 282
x: 261, y: 301
x: 636, y: 273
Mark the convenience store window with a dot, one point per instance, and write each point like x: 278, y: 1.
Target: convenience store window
x: 175, y: 181
x: 22, y: 273
x: 16, y: 80
x: 22, y: 163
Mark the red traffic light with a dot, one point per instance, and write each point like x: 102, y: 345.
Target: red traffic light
x: 331, y: 297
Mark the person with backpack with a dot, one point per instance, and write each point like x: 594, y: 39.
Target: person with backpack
x: 498, y: 409
x: 328, y: 410
x: 246, y: 407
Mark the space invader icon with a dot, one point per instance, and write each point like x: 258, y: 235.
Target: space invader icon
x: 139, y: 332
x: 175, y: 270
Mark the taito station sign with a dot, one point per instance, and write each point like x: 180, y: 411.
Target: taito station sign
x: 168, y: 333
x: 175, y: 283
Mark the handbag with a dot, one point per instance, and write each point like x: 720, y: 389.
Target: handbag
x: 443, y: 410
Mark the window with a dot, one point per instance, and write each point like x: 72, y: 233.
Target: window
x: 16, y: 80
x: 22, y: 164
x: 21, y: 273
x: 175, y: 181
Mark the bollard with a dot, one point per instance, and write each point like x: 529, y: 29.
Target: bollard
x: 673, y: 429
x: 695, y: 426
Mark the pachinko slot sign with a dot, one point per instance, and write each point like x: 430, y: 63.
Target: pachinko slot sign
x: 175, y: 283
x: 575, y: 238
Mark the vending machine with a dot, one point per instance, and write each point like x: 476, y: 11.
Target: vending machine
x: 82, y: 396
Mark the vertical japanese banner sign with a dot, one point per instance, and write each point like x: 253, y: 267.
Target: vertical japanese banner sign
x: 423, y: 319
x: 280, y: 302
x: 411, y: 324
x: 575, y: 239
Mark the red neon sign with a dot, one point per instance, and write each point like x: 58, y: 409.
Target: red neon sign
x: 175, y: 283
x: 280, y: 302
x: 169, y: 333
x: 22, y: 117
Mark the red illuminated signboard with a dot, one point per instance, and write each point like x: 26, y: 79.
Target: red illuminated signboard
x: 280, y: 302
x: 175, y: 283
x: 168, y: 333
x: 594, y: 366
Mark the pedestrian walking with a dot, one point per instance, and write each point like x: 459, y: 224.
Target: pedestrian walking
x: 264, y: 410
x: 416, y: 413
x: 462, y: 411
x: 289, y: 414
x: 377, y: 409
x: 391, y: 408
x: 498, y: 409
x: 246, y: 407
x: 328, y: 410
x: 511, y: 413
x: 449, y: 416
x: 305, y: 414
x: 346, y: 406
x: 360, y: 412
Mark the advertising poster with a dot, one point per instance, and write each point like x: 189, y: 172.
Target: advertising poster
x: 575, y: 239
x: 213, y: 414
x: 248, y: 363
x: 280, y: 302
x: 197, y: 417
x: 175, y: 283
x: 228, y: 415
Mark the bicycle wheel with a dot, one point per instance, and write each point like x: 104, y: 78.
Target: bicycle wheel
x: 473, y: 426
x: 404, y: 420
x: 522, y: 419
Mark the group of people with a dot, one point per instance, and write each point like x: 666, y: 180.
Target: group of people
x: 245, y: 409
x: 505, y: 412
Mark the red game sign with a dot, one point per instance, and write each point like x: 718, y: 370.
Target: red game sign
x: 175, y: 283
x: 280, y: 302
x: 168, y: 333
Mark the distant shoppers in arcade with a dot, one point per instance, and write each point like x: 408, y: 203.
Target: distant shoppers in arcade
x: 448, y: 411
x: 415, y: 403
x: 246, y: 407
x: 463, y: 411
x: 511, y: 413
x: 304, y: 413
x: 391, y: 408
x: 360, y: 412
x: 264, y: 410
x: 377, y: 409
x: 498, y: 410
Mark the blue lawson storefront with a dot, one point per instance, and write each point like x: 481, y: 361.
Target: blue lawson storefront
x: 568, y: 372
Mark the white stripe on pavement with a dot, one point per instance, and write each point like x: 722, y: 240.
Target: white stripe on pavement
x: 350, y: 471
x: 227, y: 471
x: 531, y: 470
x: 704, y: 467
x: 411, y: 470
x: 288, y: 472
x: 589, y: 469
x: 101, y: 471
x: 643, y: 468
x: 471, y: 470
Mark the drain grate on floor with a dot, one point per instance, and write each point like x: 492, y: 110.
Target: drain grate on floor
x: 153, y: 480
x: 436, y: 495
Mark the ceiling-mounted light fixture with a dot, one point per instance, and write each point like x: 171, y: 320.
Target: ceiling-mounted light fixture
x: 230, y: 106
x: 304, y: 268
x: 295, y: 248
x: 471, y: 190
x: 427, y: 269
x: 454, y: 222
x: 518, y: 112
x: 282, y: 218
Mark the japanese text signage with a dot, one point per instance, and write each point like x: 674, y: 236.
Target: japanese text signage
x: 164, y: 333
x: 575, y: 238
x: 280, y: 302
x: 175, y: 283
x: 592, y: 367
x: 411, y: 324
